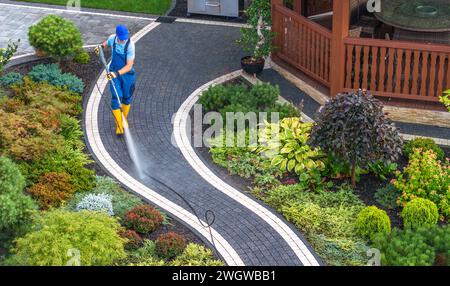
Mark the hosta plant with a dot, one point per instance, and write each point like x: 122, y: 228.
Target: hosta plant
x: 354, y: 127
x: 285, y: 143
x: 425, y: 177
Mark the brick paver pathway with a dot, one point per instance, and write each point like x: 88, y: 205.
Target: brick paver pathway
x: 173, y: 60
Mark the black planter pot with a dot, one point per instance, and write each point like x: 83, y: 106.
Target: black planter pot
x: 252, y: 67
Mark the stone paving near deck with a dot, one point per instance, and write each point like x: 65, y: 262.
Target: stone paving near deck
x: 95, y: 27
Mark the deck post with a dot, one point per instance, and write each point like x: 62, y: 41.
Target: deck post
x: 341, y: 24
x: 275, y: 27
x: 298, y: 6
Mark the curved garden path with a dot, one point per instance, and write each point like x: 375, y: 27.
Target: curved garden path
x: 173, y: 61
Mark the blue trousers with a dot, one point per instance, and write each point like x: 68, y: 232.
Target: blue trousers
x: 125, y: 88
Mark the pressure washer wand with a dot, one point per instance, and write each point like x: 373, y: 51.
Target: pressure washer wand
x: 105, y: 64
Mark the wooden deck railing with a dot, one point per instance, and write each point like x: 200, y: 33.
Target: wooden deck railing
x: 394, y: 69
x: 397, y: 69
x: 302, y: 43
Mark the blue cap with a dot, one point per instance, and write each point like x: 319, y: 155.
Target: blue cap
x: 122, y: 32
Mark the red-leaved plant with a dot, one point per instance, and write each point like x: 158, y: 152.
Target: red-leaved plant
x: 143, y: 219
x: 170, y: 245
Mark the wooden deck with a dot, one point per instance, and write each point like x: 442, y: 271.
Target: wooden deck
x: 397, y: 71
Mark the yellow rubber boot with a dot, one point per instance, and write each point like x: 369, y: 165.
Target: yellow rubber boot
x: 126, y: 110
x: 119, y: 124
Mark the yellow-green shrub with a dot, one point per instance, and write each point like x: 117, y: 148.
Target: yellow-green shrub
x: 420, y: 212
x: 94, y: 235
x: 371, y: 221
x: 425, y: 177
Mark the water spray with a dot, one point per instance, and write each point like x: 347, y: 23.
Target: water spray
x: 132, y: 151
x: 209, y: 215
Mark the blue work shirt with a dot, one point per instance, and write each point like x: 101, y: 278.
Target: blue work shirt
x: 120, y: 48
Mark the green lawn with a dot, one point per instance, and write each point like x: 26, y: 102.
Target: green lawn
x: 157, y: 7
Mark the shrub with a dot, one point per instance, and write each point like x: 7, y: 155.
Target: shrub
x: 169, y: 245
x: 425, y: 177
x: 257, y: 39
x: 134, y: 240
x: 122, y: 201
x: 217, y: 97
x: 421, y: 247
x: 239, y: 98
x: 93, y: 235
x: 371, y: 221
x: 53, y: 75
x: 326, y: 218
x: 387, y: 196
x: 7, y: 53
x: 340, y: 251
x: 56, y: 37
x: 46, y: 97
x: 285, y: 143
x: 425, y: 144
x: 143, y: 219
x: 16, y: 210
x: 284, y: 110
x: 11, y: 180
x: 71, y: 130
x: 145, y: 256
x: 263, y: 95
x: 420, y: 212
x: 11, y: 78
x: 143, y: 253
x: 52, y: 190
x: 354, y: 128
x: 445, y: 99
x: 82, y: 57
x: 65, y: 159
x: 196, y: 255
x: 96, y: 202
x: 25, y: 139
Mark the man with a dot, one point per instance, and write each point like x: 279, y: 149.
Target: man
x: 121, y: 73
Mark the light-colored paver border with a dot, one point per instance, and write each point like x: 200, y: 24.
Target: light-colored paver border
x: 94, y: 140
x: 181, y: 137
x: 400, y: 114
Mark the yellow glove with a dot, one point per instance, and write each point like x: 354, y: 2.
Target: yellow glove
x: 97, y: 50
